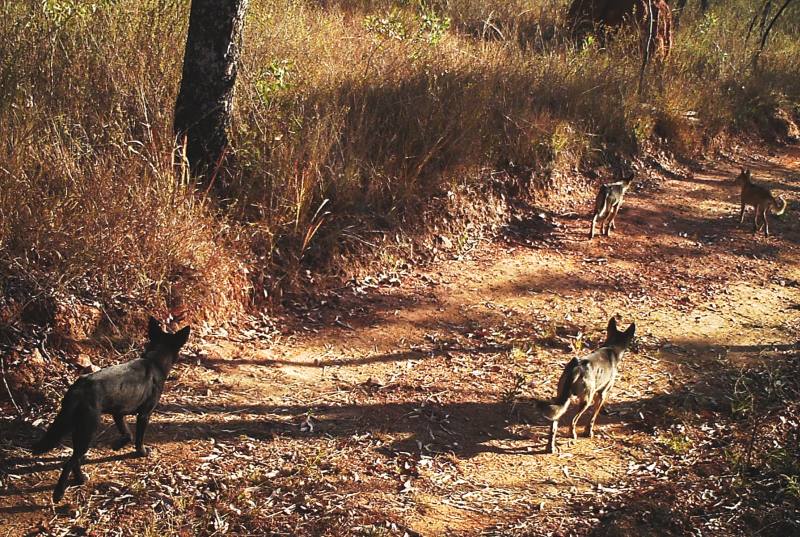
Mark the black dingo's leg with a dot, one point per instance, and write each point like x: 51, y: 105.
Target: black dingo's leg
x: 141, y: 424
x: 85, y: 427
x: 125, y: 433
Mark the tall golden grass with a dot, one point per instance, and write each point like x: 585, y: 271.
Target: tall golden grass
x: 351, y: 118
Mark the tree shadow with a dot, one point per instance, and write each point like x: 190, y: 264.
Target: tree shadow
x: 707, y: 232
x: 461, y: 429
x: 18, y: 509
x: 764, y: 173
x: 26, y: 466
x: 458, y: 428
x: 389, y: 357
x: 557, y: 284
x: 716, y: 349
x: 654, y: 503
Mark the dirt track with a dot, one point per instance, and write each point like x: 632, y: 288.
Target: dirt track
x: 388, y: 411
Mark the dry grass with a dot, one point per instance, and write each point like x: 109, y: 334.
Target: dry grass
x: 351, y: 118
x: 88, y: 197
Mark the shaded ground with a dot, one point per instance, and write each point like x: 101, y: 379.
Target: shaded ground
x: 388, y: 412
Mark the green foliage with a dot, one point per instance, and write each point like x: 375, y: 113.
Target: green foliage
x: 389, y: 25
x: 426, y: 26
x: 273, y: 79
x: 432, y: 25
x: 680, y: 444
x: 59, y: 12
x: 792, y: 485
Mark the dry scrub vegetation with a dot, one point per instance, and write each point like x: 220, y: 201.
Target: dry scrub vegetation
x: 372, y: 133
x: 359, y: 126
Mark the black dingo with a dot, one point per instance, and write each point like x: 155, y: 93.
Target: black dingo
x: 120, y: 390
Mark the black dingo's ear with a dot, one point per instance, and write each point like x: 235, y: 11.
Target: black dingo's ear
x: 612, y: 327
x: 630, y: 332
x: 154, y: 330
x: 179, y: 338
x: 748, y: 173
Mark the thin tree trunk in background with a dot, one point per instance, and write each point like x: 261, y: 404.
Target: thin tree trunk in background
x: 205, y: 101
x: 766, y: 32
x: 646, y: 52
x: 763, y: 13
x: 765, y: 16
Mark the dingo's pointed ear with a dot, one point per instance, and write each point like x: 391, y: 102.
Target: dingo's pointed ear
x: 153, y: 329
x: 748, y: 173
x: 630, y: 332
x: 180, y: 337
x: 612, y: 326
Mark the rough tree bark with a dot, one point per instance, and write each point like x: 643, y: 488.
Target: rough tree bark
x: 204, y: 104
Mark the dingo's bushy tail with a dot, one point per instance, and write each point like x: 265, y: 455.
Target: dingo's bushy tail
x: 782, y: 209
x: 552, y: 410
x: 60, y: 427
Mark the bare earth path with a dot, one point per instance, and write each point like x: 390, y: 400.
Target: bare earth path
x: 389, y: 414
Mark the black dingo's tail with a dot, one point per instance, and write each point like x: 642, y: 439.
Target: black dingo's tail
x: 61, y: 426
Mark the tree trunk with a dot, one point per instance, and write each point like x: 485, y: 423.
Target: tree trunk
x: 205, y: 101
x: 765, y: 33
x: 764, y: 14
